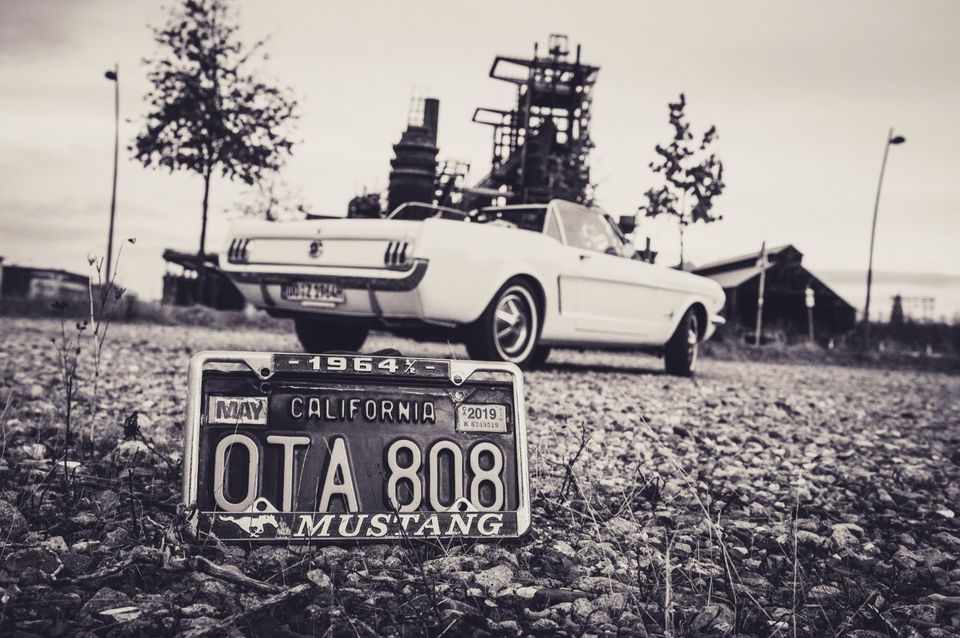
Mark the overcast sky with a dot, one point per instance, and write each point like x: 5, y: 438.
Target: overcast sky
x: 802, y: 95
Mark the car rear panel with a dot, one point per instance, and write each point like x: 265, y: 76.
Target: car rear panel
x: 372, y: 260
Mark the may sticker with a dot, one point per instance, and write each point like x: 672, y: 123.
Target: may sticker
x: 237, y: 410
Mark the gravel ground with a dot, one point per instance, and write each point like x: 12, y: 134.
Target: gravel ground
x: 758, y: 499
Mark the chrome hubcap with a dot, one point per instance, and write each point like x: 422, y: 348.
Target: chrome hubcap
x: 512, y: 325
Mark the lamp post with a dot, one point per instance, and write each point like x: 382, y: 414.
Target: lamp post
x: 891, y: 139
x: 113, y: 76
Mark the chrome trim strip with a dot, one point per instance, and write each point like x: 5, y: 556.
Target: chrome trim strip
x: 407, y: 282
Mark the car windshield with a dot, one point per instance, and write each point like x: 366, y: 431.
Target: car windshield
x: 588, y: 230
x: 526, y: 217
x: 419, y: 212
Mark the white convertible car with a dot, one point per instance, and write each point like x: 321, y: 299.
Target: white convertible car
x: 509, y: 282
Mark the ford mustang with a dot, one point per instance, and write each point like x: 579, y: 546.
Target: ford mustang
x: 509, y: 282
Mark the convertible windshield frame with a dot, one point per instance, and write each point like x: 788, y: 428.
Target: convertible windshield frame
x: 436, y: 211
x: 491, y: 214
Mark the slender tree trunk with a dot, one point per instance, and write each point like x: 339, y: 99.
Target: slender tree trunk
x: 681, y: 245
x: 682, y: 223
x: 201, y: 278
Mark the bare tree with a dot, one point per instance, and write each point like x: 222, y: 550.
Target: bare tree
x: 693, y: 175
x: 208, y: 111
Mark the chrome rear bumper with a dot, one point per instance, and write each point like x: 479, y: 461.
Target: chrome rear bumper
x: 407, y: 282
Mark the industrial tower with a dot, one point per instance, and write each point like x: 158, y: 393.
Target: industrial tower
x: 541, y: 147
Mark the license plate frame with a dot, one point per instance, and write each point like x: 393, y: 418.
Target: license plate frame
x: 337, y: 380
x: 313, y: 293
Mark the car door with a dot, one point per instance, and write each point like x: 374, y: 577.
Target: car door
x: 608, y: 296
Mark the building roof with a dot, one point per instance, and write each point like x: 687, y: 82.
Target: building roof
x: 49, y: 273
x: 733, y: 278
x: 736, y: 271
x: 777, y: 254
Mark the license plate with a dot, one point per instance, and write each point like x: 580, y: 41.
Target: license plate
x: 316, y: 292
x: 325, y: 448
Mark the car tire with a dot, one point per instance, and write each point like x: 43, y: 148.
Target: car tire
x: 322, y: 335
x: 539, y: 358
x: 509, y: 327
x: 681, y: 353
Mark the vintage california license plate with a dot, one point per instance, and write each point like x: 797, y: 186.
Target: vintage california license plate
x: 320, y: 448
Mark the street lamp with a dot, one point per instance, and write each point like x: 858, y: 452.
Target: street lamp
x: 113, y: 76
x: 891, y: 139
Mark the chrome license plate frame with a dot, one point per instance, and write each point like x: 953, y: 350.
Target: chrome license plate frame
x: 273, y: 400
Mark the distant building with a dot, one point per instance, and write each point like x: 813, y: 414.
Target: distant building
x: 42, y: 283
x: 783, y: 305
x: 180, y: 283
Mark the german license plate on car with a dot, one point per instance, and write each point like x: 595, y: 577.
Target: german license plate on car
x: 331, y: 447
x: 311, y: 291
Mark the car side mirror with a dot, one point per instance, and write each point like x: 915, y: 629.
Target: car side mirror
x: 627, y: 224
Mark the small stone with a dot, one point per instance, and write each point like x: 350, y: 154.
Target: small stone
x: 582, y: 608
x: 946, y: 513
x: 545, y: 624
x: 38, y: 558
x: 843, y: 538
x: 810, y: 539
x: 495, y: 578
x: 198, y: 609
x: 117, y: 537
x: 526, y: 593
x: 713, y: 619
x: 35, y: 451
x: 926, y: 613
x: 622, y: 527
x: 823, y: 592
x: 933, y: 557
x: 56, y: 544
x: 35, y: 392
x: 269, y: 559
x: 319, y: 578
x: 602, y: 585
x: 105, y: 598
x: 120, y: 614
x: 330, y: 555
x: 612, y: 603
x: 946, y: 539
x: 565, y: 548
x: 128, y: 451
x: 12, y: 522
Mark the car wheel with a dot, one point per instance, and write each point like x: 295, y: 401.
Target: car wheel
x: 321, y: 335
x: 508, y: 329
x: 539, y: 358
x: 680, y: 353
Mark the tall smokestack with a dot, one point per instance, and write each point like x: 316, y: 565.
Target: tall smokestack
x: 431, y: 117
x: 414, y: 166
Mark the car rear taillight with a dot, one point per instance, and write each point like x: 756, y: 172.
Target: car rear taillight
x: 237, y: 253
x: 397, y: 254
